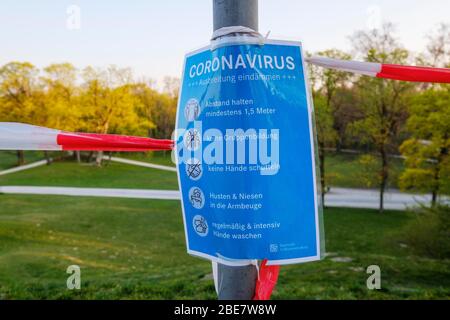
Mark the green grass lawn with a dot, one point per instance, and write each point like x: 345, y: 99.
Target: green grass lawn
x: 8, y: 159
x: 135, y: 249
x: 160, y: 157
x: 344, y: 170
x: 110, y: 175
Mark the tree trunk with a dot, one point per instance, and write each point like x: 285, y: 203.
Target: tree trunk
x: 47, y: 158
x: 99, y: 158
x: 78, y: 155
x: 20, y: 158
x: 381, y: 207
x: 322, y: 171
x: 433, y: 198
x: 383, y: 176
x: 89, y: 158
x: 338, y: 145
x: 436, y: 177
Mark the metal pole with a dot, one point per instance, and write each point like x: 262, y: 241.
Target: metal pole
x: 236, y: 283
x: 235, y: 13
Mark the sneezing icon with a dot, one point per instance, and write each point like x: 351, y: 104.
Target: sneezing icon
x: 196, y: 197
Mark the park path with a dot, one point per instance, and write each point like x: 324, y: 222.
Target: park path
x: 140, y: 163
x: 367, y: 198
x: 336, y: 197
x: 24, y: 167
x: 93, y: 192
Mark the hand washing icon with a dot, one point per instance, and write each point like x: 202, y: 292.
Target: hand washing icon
x: 200, y: 225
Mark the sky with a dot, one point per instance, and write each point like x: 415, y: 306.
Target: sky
x: 152, y: 36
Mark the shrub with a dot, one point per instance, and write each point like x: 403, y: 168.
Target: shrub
x: 429, y: 233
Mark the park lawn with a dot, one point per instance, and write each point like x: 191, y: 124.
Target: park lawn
x: 135, y: 249
x: 110, y: 175
x: 8, y: 159
x: 345, y: 170
x: 160, y: 157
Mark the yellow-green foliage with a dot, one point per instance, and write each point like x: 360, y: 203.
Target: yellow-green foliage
x: 367, y: 175
x: 96, y: 100
x: 426, y: 151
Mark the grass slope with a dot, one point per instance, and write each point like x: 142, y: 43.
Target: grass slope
x: 110, y: 175
x: 344, y: 170
x: 8, y: 159
x: 135, y: 249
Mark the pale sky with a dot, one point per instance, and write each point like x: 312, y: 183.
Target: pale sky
x: 152, y: 36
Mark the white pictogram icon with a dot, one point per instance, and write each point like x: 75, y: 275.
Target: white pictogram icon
x: 192, y: 139
x: 273, y: 247
x: 194, y: 169
x: 192, y: 110
x: 196, y: 197
x: 200, y: 225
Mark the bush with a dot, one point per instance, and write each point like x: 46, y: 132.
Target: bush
x: 429, y: 233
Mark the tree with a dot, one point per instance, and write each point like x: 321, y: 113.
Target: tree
x: 107, y: 101
x: 157, y: 108
x: 439, y: 47
x: 325, y: 83
x: 18, y: 95
x: 171, y: 86
x: 333, y: 86
x: 426, y: 151
x: 326, y: 136
x: 382, y: 102
x: 109, y: 105
x: 61, y: 97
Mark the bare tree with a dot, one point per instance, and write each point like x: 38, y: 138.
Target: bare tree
x: 439, y: 46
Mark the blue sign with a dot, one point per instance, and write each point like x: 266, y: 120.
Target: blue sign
x: 245, y: 155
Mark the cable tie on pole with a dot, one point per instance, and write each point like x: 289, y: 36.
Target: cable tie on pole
x: 236, y: 34
x: 267, y: 35
x: 234, y: 30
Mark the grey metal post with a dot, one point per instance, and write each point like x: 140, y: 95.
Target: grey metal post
x: 235, y: 13
x: 236, y: 283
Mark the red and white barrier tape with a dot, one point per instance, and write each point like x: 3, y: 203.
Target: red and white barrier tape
x: 386, y: 71
x: 267, y: 280
x: 18, y: 136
